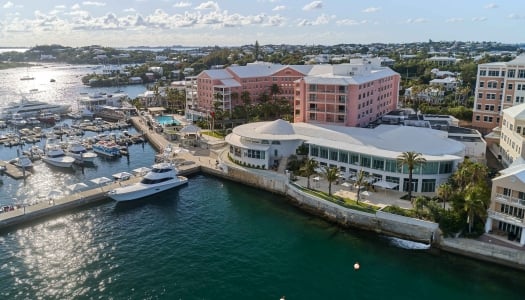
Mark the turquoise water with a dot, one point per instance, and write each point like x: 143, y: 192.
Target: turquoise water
x: 215, y: 239
x: 166, y: 120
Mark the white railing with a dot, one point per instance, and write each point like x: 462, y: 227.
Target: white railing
x: 506, y: 218
x: 508, y: 199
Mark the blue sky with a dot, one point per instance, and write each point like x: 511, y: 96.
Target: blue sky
x: 239, y: 22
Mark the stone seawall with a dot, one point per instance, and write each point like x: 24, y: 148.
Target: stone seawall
x: 379, y: 222
x: 484, y: 251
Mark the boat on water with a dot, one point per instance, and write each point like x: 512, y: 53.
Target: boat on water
x: 55, y: 155
x: 32, y: 108
x: 17, y: 120
x: 162, y: 176
x: 81, y: 155
x: 107, y: 148
x: 48, y: 117
x: 22, y: 162
x: 27, y: 77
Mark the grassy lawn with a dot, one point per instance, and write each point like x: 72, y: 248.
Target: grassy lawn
x: 345, y: 202
x: 214, y: 134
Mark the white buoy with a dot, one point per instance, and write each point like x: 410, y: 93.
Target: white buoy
x: 356, y: 266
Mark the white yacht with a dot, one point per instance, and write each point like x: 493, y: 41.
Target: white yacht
x: 162, y: 176
x: 76, y: 150
x: 32, y: 108
x: 55, y: 156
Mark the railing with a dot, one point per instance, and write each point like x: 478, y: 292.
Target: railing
x: 509, y: 199
x: 507, y: 218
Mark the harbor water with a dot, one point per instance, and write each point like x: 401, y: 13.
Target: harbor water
x: 214, y: 239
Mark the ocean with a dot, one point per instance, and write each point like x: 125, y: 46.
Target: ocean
x: 212, y: 239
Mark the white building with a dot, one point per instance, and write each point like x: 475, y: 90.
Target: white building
x: 512, y: 136
x: 507, y: 208
x: 351, y: 149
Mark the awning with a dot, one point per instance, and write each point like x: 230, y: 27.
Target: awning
x: 385, y: 184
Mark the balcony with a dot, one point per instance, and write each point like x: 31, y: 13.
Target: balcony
x: 508, y: 199
x: 505, y: 218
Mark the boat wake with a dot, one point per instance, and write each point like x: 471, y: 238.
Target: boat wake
x: 406, y: 244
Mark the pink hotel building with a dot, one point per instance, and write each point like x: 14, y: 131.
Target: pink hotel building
x: 352, y: 94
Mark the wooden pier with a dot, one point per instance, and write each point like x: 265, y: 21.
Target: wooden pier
x: 13, y: 171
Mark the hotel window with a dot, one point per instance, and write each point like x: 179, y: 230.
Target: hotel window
x: 509, y: 98
x: 314, y: 151
x: 430, y: 167
x: 521, y: 73
x: 428, y: 185
x: 477, y: 118
x: 342, y: 89
x: 365, y: 161
x: 482, y: 73
x: 445, y: 167
x: 481, y: 84
x: 511, y: 73
x: 312, y: 116
x: 491, y: 96
x: 378, y: 163
x: 333, y: 154
x: 343, y: 157
x: 354, y: 158
x: 312, y: 97
x: 493, y: 73
x: 507, y: 192
x: 492, y: 84
x: 312, y: 88
x: 323, y: 153
x: 478, y: 106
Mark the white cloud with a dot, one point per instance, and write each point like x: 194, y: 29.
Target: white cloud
x: 60, y: 7
x: 182, y: 4
x: 371, y: 9
x: 208, y: 5
x: 8, y: 4
x: 93, y: 3
x: 279, y: 8
x: 454, y: 20
x: 75, y: 6
x: 322, y: 19
x: 276, y: 20
x: 351, y: 22
x: 515, y: 17
x: 416, y: 21
x: 313, y: 5
x: 304, y: 22
x: 491, y: 5
x: 131, y: 9
x: 479, y: 19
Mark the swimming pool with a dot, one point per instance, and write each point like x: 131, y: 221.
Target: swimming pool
x: 166, y: 120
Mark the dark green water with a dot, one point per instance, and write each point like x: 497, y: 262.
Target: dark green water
x: 220, y: 240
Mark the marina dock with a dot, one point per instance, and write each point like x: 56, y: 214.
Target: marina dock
x: 13, y: 171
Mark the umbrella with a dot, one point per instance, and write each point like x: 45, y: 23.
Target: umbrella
x: 141, y: 170
x: 53, y: 194
x: 385, y: 184
x: 77, y: 186
x: 346, y: 184
x: 100, y: 180
x: 122, y: 175
x: 365, y: 193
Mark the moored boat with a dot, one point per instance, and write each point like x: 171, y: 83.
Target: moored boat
x: 107, y: 148
x: 76, y: 150
x: 22, y: 162
x: 55, y: 156
x: 162, y: 176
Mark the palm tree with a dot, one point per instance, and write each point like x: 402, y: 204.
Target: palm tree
x: 444, y: 192
x: 309, y: 168
x: 331, y: 174
x: 474, y: 204
x: 360, y: 181
x: 412, y: 160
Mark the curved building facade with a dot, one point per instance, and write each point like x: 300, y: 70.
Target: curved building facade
x: 351, y: 149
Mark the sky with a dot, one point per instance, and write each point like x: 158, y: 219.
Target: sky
x: 123, y: 23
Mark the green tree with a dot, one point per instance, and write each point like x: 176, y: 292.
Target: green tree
x: 444, y: 192
x: 309, y: 168
x: 331, y: 174
x: 411, y: 160
x: 474, y: 204
x: 360, y: 181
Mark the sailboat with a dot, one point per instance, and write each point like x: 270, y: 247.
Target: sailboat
x: 27, y: 76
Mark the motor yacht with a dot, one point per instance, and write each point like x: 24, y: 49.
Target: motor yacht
x: 22, y: 162
x: 55, y: 156
x: 76, y: 150
x: 107, y: 148
x: 32, y: 108
x: 162, y: 176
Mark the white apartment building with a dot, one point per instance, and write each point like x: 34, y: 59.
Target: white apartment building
x: 512, y: 135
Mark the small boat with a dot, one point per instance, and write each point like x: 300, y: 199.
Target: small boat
x: 76, y: 150
x: 162, y: 176
x: 22, y: 162
x: 52, y: 80
x: 27, y: 77
x: 107, y: 148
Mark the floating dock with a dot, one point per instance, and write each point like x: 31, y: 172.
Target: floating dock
x: 13, y: 171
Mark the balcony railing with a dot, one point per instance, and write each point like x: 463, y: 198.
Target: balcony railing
x: 508, y: 199
x: 505, y: 218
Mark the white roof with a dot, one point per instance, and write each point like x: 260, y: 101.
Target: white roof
x: 517, y: 170
x: 384, y: 140
x: 516, y: 111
